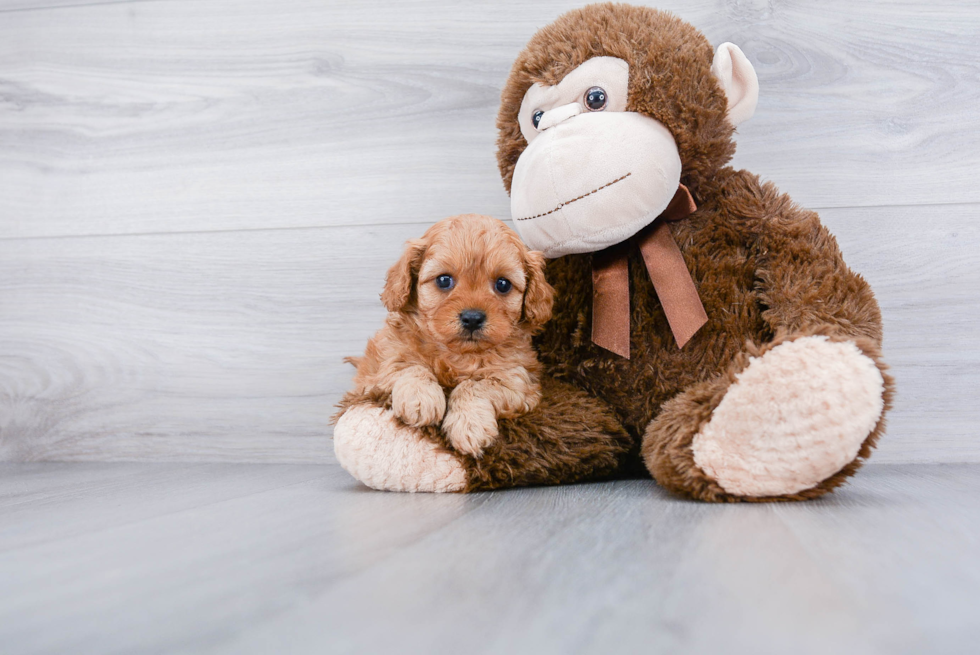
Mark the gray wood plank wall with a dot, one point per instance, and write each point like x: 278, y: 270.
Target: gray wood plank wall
x: 198, y: 200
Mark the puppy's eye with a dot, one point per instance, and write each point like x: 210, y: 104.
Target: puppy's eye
x: 445, y: 282
x: 595, y: 98
x: 536, y: 117
x: 503, y: 285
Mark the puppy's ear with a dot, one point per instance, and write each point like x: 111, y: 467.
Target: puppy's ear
x: 400, y: 282
x: 538, y: 296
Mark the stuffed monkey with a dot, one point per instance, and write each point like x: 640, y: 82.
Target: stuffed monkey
x: 706, y: 329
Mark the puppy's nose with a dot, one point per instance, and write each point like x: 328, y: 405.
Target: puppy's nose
x: 472, y: 319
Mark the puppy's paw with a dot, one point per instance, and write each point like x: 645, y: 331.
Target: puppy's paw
x: 470, y: 426
x: 418, y: 403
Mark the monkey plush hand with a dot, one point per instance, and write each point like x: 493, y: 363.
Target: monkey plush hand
x: 705, y: 328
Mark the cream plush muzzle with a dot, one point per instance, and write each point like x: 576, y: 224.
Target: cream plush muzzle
x: 592, y: 181
x: 589, y: 179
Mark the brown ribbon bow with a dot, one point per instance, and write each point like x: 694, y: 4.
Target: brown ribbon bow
x: 668, y: 272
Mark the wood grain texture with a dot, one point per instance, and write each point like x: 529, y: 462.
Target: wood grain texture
x: 228, y: 346
x: 172, y: 115
x: 198, y: 200
x: 222, y: 558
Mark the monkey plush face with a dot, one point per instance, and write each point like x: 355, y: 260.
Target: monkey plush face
x: 608, y: 126
x: 585, y: 184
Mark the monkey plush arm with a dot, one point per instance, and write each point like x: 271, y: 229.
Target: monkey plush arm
x: 803, y: 282
x: 569, y: 437
x: 793, y: 417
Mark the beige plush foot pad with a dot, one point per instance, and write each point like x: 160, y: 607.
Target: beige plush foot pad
x: 796, y: 415
x: 383, y: 454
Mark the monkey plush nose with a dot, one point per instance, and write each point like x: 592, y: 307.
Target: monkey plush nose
x: 554, y: 116
x: 472, y: 319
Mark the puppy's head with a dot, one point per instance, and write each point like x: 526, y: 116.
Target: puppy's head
x: 470, y: 283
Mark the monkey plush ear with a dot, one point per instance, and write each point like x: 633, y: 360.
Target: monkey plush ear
x: 738, y: 79
x: 400, y: 283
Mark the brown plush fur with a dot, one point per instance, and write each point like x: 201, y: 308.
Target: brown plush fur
x: 551, y: 446
x: 424, y: 353
x: 767, y: 271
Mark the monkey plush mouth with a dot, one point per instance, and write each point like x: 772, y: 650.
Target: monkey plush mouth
x: 568, y: 202
x: 618, y: 171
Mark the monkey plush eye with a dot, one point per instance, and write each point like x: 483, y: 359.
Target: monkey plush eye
x: 445, y: 282
x: 503, y: 285
x: 536, y: 117
x: 595, y: 98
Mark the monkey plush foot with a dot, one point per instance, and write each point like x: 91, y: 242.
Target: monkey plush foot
x: 792, y: 423
x: 795, y: 416
x: 384, y: 454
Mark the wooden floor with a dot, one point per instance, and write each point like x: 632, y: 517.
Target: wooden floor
x: 251, y: 558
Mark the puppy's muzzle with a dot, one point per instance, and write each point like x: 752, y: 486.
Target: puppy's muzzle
x: 472, y: 319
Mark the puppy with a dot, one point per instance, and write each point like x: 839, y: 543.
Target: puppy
x: 463, y: 302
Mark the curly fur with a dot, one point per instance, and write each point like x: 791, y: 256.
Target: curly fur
x: 426, y: 365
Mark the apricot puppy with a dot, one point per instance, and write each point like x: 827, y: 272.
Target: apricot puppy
x: 463, y: 302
